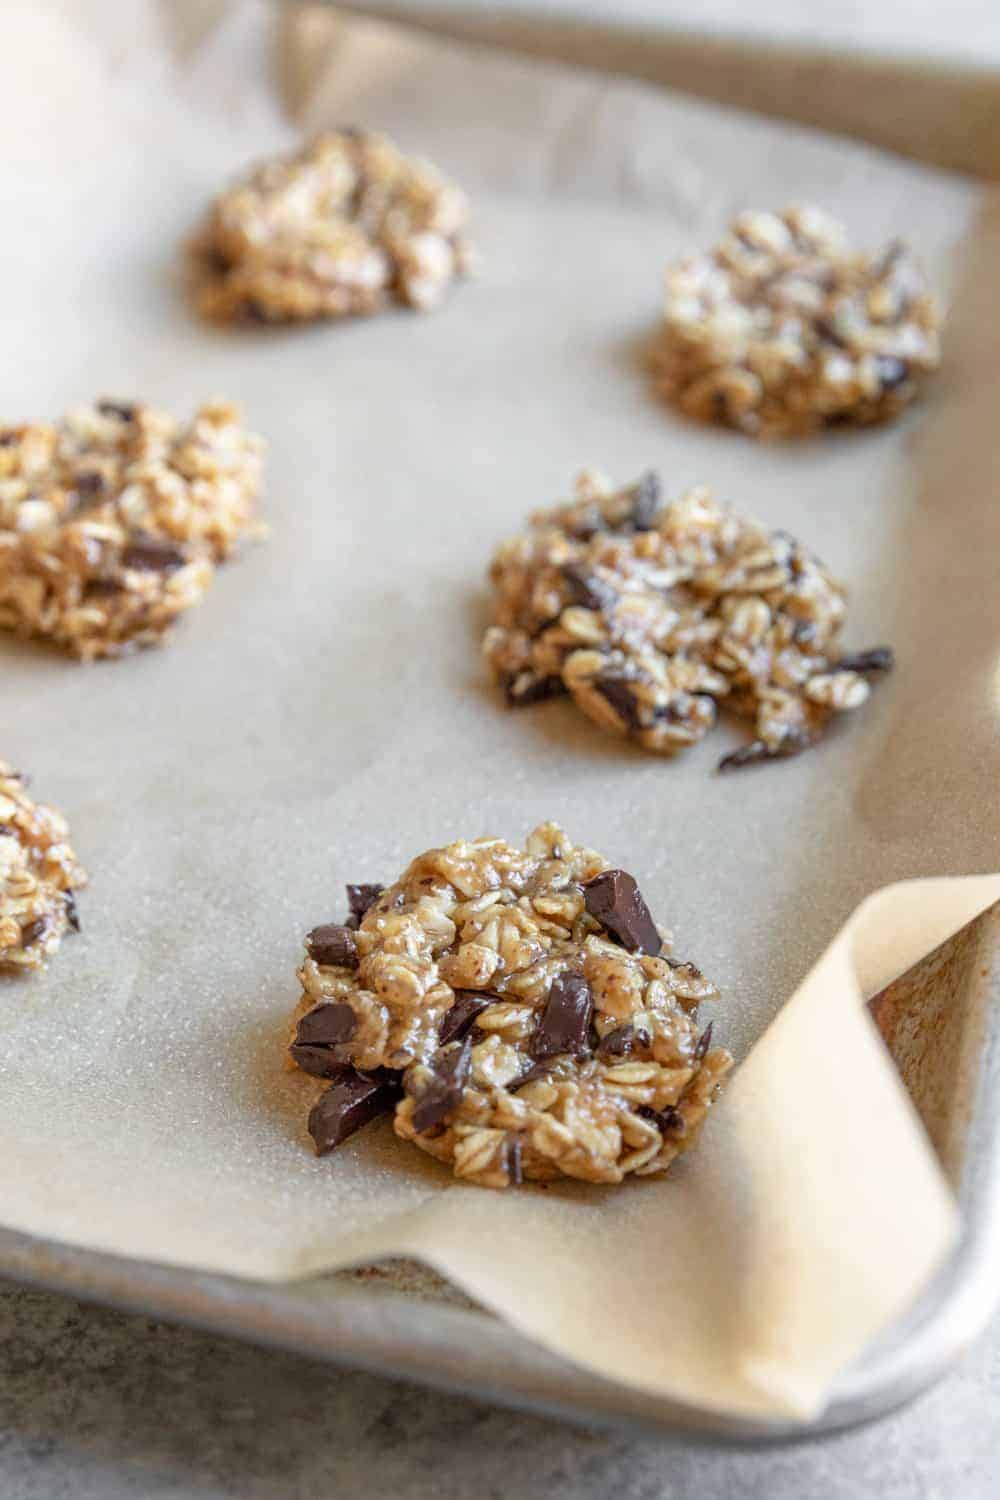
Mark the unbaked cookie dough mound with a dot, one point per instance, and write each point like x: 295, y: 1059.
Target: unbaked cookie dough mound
x: 340, y: 228
x: 783, y: 329
x: 112, y: 521
x: 651, y: 613
x: 519, y: 1010
x: 39, y: 875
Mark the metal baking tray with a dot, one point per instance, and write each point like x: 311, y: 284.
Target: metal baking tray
x: 941, y: 1022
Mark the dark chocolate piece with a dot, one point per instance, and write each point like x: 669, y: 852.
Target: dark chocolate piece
x: 668, y: 1121
x: 326, y: 1025
x: 72, y: 915
x: 151, y: 554
x: 588, y: 589
x: 34, y: 931
x: 7, y: 832
x: 123, y: 410
x: 522, y: 688
x: 878, y: 659
x: 444, y: 1091
x: 616, y: 691
x: 620, y: 1042
x: 512, y: 1154
x: 760, y: 750
x: 458, y: 1020
x: 101, y: 588
x: 647, y: 501
x: 361, y: 897
x: 565, y: 1021
x: 8, y: 437
x: 617, y: 903
x: 90, y: 482
x: 703, y: 1043
x: 333, y: 944
x: 353, y: 1100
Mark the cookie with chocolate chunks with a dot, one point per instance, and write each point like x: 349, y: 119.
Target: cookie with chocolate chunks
x: 525, y: 1006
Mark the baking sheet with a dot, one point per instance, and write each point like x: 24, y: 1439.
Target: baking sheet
x: 324, y: 715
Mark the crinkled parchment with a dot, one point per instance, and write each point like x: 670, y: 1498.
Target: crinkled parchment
x: 324, y: 715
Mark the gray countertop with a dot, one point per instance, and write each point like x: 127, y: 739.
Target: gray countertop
x: 96, y: 1405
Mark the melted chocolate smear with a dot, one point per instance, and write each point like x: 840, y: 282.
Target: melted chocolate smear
x: 616, y: 691
x: 523, y: 688
x: 444, y: 1092
x: 614, y: 899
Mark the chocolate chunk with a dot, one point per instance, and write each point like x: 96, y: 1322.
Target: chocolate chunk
x: 588, y: 589
x: 647, y: 501
x: 522, y: 688
x: 565, y: 1021
x: 668, y: 1121
x: 319, y: 1032
x: 760, y: 750
x: 90, y: 482
x: 891, y: 372
x: 617, y: 903
x: 361, y: 897
x: 353, y: 1100
x: 828, y: 332
x: 703, y: 1043
x: 878, y: 659
x: 8, y: 437
x: 444, y: 1091
x: 7, y: 832
x: 333, y: 944
x: 34, y: 931
x: 512, y: 1154
x: 123, y: 410
x: 72, y: 915
x: 457, y: 1021
x: 151, y: 554
x: 617, y: 692
x: 101, y: 588
x: 621, y: 1041
x: 326, y: 1025
x: 531, y: 1075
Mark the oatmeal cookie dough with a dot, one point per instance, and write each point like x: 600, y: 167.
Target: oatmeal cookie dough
x: 650, y: 613
x: 519, y: 1009
x: 783, y: 329
x: 341, y: 227
x: 113, y: 519
x: 39, y: 875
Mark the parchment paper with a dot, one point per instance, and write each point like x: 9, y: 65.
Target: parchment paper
x: 324, y: 715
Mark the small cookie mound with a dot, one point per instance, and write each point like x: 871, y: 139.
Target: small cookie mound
x: 340, y: 228
x: 112, y: 521
x: 520, y: 1011
x: 782, y: 329
x: 649, y: 614
x: 39, y: 874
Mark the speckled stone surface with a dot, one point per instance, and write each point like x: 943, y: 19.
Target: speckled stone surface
x: 95, y: 1405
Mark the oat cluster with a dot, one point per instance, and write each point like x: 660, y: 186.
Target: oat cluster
x: 519, y: 1010
x: 341, y: 227
x: 39, y: 874
x: 783, y: 329
x: 650, y: 614
x: 112, y: 521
